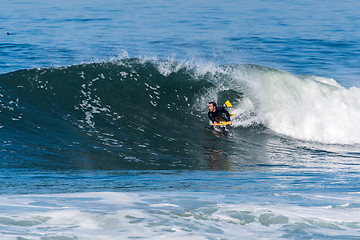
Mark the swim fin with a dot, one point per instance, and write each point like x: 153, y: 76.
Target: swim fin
x: 228, y: 104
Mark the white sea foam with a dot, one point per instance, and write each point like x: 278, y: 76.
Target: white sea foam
x: 184, y: 215
x: 304, y: 107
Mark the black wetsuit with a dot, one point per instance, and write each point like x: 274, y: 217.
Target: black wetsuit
x: 220, y: 114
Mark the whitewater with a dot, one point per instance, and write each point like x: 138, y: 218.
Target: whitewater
x: 178, y: 216
x: 306, y: 107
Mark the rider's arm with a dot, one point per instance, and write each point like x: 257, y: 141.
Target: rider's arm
x: 211, y: 117
x: 227, y: 114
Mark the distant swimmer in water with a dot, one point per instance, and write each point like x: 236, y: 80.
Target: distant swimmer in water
x: 218, y: 114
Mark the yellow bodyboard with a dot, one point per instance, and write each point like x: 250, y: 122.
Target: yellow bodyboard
x: 222, y: 124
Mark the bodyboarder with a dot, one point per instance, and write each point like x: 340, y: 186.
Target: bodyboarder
x: 218, y: 114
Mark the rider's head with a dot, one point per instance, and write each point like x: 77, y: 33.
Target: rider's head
x: 212, y: 106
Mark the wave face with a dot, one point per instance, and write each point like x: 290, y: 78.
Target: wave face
x: 151, y: 114
x: 129, y: 110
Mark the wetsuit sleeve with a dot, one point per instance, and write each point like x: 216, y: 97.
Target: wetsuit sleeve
x: 227, y: 114
x: 211, y: 117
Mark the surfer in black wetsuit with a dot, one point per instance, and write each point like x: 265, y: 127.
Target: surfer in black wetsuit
x: 218, y: 114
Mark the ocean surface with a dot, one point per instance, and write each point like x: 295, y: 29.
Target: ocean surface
x: 104, y: 131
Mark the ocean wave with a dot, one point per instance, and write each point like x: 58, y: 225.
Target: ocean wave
x: 147, y: 112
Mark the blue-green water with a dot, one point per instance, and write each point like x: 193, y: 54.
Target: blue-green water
x: 104, y: 129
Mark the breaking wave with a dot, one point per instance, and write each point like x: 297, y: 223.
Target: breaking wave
x: 152, y: 113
